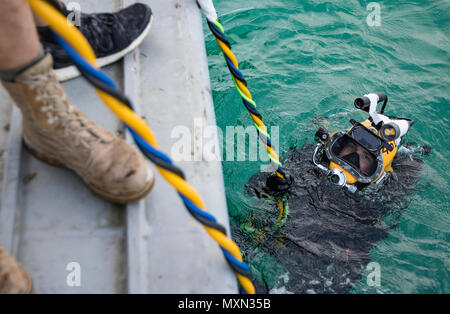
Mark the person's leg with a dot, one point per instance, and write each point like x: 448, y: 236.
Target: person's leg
x: 13, y: 277
x: 111, y: 35
x: 39, y: 21
x: 54, y: 130
x: 19, y: 43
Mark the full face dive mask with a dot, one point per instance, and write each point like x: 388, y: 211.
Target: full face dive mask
x: 363, y: 154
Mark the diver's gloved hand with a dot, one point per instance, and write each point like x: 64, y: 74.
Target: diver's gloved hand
x: 426, y: 150
x: 414, y: 148
x: 277, y: 185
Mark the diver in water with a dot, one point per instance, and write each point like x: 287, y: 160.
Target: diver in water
x: 318, y: 235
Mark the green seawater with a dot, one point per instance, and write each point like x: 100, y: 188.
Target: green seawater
x: 308, y: 59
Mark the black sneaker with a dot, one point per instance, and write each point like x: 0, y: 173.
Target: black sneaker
x: 111, y: 35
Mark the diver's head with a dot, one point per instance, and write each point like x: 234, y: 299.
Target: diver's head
x: 353, y: 158
x: 358, y: 152
x: 357, y: 156
x: 362, y: 154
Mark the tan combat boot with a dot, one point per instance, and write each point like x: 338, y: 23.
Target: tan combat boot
x: 59, y: 134
x: 13, y: 277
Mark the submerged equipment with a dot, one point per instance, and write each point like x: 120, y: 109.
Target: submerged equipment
x: 363, y: 154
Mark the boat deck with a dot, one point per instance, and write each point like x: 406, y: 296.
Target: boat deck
x: 48, y: 217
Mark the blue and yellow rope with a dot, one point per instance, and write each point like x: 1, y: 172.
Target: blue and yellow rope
x: 85, y: 60
x: 241, y: 86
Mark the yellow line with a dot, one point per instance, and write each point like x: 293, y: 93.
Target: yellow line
x: 228, y: 53
x: 279, y: 175
x: 244, y: 89
x: 280, y: 210
x: 259, y: 122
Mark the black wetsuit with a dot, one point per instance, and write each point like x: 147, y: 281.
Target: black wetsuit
x: 324, y: 244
